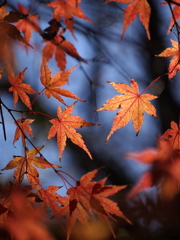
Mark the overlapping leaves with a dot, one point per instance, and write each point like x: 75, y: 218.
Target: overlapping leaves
x: 84, y: 200
x: 27, y: 165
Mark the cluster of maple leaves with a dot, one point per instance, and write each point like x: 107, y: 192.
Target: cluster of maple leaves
x: 86, y: 198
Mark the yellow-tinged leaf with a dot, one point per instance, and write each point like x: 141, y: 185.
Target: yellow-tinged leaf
x: 64, y: 128
x: 132, y: 104
x: 25, y: 165
x: 173, y: 52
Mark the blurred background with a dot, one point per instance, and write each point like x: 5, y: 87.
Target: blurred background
x: 110, y: 59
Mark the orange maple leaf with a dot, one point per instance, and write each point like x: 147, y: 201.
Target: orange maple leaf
x: 174, y: 64
x: 67, y: 10
x: 173, y: 135
x: 19, y: 217
x: 87, y: 199
x: 58, y: 47
x: 26, y: 25
x: 175, y: 14
x: 64, y: 128
x: 164, y: 171
x: 25, y: 165
x: 52, y: 83
x: 8, y: 29
x: 132, y: 105
x: 135, y: 7
x: 23, y: 128
x: 20, y: 89
x: 52, y: 199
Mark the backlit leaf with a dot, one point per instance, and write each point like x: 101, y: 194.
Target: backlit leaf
x: 20, y: 89
x: 133, y: 105
x: 59, y: 47
x: 64, y: 128
x: 136, y: 7
x: 164, y: 171
x: 52, y: 84
x: 173, y: 52
x: 27, y: 165
x: 68, y: 10
x: 173, y: 135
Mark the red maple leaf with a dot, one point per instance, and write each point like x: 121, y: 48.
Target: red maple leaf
x: 52, y: 84
x: 173, y: 135
x: 20, y: 89
x: 164, y: 171
x: 64, y: 128
x: 67, y: 10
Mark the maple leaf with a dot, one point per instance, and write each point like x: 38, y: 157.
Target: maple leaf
x: 175, y: 14
x: 27, y: 24
x: 173, y: 135
x: 52, y: 83
x: 52, y: 199
x: 89, y: 198
x: 64, y: 128
x: 50, y: 32
x: 58, y: 47
x: 135, y: 7
x: 21, y: 219
x: 132, y: 105
x: 23, y: 126
x: 174, y: 64
x: 164, y: 171
x: 8, y: 29
x: 20, y: 89
x: 67, y: 10
x: 25, y: 165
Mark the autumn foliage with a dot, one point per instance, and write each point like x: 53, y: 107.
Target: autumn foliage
x: 26, y: 206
